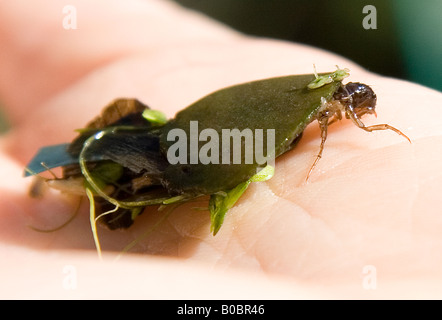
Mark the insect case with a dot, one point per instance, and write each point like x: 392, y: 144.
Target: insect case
x: 131, y: 157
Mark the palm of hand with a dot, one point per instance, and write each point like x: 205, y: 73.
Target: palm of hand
x: 371, y: 201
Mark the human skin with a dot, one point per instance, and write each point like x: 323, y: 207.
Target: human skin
x: 370, y: 210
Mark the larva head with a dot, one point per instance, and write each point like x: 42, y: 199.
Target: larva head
x: 358, y: 97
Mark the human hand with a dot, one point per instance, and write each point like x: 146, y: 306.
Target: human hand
x: 371, y: 201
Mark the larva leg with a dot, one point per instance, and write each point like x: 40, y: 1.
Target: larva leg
x: 323, y: 124
x: 375, y: 127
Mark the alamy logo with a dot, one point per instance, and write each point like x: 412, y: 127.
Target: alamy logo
x: 370, y: 20
x: 232, y: 146
x: 70, y: 18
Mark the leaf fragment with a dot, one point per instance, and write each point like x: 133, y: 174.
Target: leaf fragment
x: 323, y: 79
x: 221, y: 202
x: 155, y: 117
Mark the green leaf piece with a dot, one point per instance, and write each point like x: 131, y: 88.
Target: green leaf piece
x: 263, y: 175
x: 323, y: 79
x: 105, y: 173
x: 155, y: 117
x: 283, y: 104
x: 135, y: 212
x: 221, y: 202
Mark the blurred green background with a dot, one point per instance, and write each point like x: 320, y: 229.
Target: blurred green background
x: 406, y: 44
